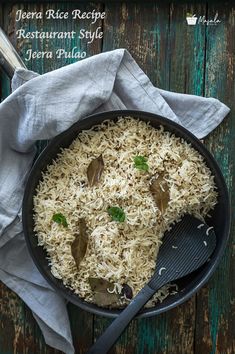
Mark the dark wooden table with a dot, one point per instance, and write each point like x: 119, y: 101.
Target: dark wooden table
x: 192, y: 59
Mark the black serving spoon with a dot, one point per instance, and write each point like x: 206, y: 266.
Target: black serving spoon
x: 185, y: 248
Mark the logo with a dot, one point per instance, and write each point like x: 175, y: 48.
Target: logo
x: 193, y: 20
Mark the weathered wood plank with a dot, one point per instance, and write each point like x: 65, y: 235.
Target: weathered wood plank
x: 187, y: 76
x: 187, y: 49
x: 19, y: 333
x: 82, y: 328
x: 28, y: 337
x: 216, y: 303
x: 12, y: 319
x: 143, y: 29
x: 154, y: 34
x: 5, y: 81
x: 33, y: 339
x: 173, y: 332
x: 11, y: 308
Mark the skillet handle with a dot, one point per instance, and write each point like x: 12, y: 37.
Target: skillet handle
x: 9, y: 58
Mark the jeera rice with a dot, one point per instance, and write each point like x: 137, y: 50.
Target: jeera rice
x: 121, y: 249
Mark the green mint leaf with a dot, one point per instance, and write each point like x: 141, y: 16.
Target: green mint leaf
x: 117, y: 214
x: 143, y: 167
x: 60, y: 219
x: 140, y: 162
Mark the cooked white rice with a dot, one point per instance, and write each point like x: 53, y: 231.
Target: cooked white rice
x: 118, y: 252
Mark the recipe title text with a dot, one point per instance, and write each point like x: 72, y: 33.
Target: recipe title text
x: 90, y: 35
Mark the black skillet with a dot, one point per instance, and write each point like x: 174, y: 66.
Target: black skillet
x: 220, y: 217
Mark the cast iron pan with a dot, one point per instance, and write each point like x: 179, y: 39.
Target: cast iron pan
x: 220, y: 219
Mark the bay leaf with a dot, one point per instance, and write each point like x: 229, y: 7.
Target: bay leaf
x: 79, y: 245
x: 160, y: 192
x: 95, y: 170
x: 101, y: 296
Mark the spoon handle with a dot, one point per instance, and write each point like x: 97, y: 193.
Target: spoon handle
x: 112, y: 333
x: 9, y: 58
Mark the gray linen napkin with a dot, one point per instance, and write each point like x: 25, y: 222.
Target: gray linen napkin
x: 41, y: 107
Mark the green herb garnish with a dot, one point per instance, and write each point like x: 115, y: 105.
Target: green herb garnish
x: 60, y: 219
x: 117, y: 214
x: 140, y: 162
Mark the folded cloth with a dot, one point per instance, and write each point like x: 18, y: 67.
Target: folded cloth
x: 42, y: 106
